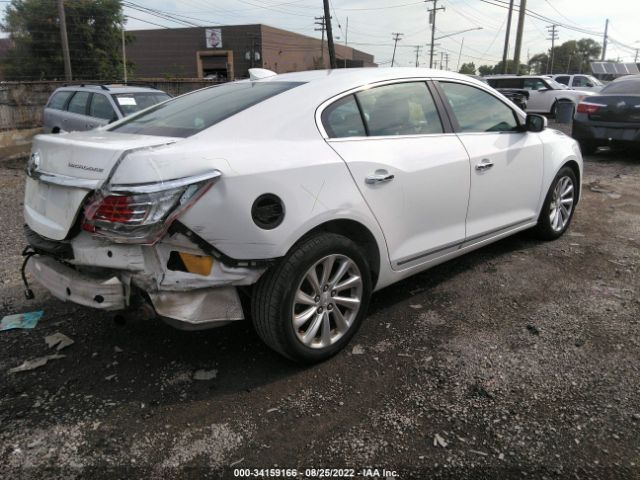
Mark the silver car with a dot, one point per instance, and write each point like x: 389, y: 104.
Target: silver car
x: 83, y: 107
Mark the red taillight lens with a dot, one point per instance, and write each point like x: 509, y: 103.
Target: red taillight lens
x: 589, y: 108
x: 115, y: 209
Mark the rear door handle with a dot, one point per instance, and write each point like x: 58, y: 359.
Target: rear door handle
x: 485, y: 164
x: 380, y: 176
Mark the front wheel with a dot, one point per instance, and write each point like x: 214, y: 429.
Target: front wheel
x: 309, y: 306
x: 559, y: 205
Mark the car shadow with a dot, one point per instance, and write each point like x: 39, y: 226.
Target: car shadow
x: 146, y: 361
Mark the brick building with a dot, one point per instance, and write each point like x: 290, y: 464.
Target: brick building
x: 229, y: 51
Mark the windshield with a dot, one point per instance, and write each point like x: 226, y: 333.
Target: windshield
x: 555, y: 85
x: 191, y: 113
x: 129, y: 103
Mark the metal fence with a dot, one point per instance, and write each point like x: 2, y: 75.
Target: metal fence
x: 22, y: 103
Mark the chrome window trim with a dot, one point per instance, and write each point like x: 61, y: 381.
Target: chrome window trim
x: 320, y: 109
x: 154, y: 187
x: 64, y: 180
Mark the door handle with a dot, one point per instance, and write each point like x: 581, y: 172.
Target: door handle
x: 380, y: 176
x: 485, y: 164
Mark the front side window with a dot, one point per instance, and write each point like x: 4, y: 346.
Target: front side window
x: 399, y: 109
x: 534, y: 84
x: 59, y: 99
x: 342, y: 119
x: 101, y: 108
x: 78, y: 103
x: 581, y: 81
x: 189, y: 114
x: 477, y: 110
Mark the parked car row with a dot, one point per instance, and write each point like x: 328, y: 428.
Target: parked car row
x: 83, y: 107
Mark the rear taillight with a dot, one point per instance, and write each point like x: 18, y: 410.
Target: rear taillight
x: 142, y: 213
x: 589, y: 108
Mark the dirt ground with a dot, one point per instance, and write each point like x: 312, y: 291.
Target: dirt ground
x: 520, y: 360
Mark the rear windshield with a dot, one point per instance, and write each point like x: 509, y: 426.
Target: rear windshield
x: 129, y: 103
x: 192, y: 113
x: 631, y: 87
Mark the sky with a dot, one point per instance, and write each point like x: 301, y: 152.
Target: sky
x: 371, y: 24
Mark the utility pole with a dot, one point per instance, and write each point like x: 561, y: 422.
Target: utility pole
x: 396, y: 37
x: 65, y: 41
x: 441, y: 60
x: 519, y: 33
x: 505, y: 53
x: 432, y: 22
x: 460, y: 55
x: 320, y: 22
x: 327, y: 23
x: 346, y: 40
x: 447, y: 61
x: 124, y: 55
x: 417, y: 47
x: 554, y: 36
x: 636, y: 59
x: 605, y: 40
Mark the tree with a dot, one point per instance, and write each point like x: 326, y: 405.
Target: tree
x: 571, y: 57
x: 485, y: 70
x: 468, y: 68
x: 93, y: 28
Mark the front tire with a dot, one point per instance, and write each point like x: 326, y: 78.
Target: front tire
x: 310, y: 305
x: 559, y: 206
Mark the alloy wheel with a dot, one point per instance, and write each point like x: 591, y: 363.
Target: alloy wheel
x: 327, y: 301
x: 561, y: 204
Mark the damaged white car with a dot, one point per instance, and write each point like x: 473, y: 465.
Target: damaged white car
x: 304, y: 192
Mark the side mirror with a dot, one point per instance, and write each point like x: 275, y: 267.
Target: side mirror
x: 543, y: 89
x: 589, y: 84
x: 535, y: 123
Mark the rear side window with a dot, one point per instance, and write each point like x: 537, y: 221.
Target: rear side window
x: 58, y: 100
x: 563, y: 79
x: 189, y: 114
x: 101, y: 108
x: 505, y: 82
x: 129, y: 103
x: 477, y: 110
x: 399, y: 109
x: 342, y: 119
x: 78, y: 103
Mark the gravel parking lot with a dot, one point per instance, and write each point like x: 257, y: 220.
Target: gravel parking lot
x: 520, y: 360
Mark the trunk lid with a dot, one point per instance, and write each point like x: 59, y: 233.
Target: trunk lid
x: 616, y: 108
x: 64, y: 169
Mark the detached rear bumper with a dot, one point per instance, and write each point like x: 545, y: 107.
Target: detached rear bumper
x: 65, y: 283
x: 195, y: 309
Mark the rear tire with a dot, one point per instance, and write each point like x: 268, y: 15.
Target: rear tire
x: 309, y: 305
x: 559, y: 206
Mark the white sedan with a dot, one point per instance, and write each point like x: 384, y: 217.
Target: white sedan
x: 301, y: 193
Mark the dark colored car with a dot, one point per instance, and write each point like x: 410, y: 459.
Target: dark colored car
x: 516, y: 95
x: 612, y: 117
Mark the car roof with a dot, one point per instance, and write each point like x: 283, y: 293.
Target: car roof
x: 342, y: 79
x: 516, y: 76
x: 113, y: 88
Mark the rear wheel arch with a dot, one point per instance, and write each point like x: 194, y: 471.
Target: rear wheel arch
x: 356, y: 232
x: 573, y: 165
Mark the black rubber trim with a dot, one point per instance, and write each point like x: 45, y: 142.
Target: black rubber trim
x: 42, y: 245
x: 177, y: 227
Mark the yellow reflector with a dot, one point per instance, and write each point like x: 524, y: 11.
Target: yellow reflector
x: 198, y: 264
